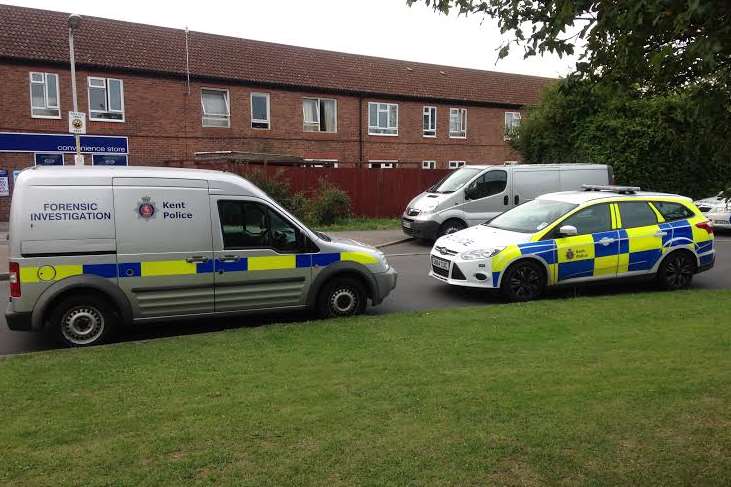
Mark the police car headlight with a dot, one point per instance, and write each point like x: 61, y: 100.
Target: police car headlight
x: 481, y: 254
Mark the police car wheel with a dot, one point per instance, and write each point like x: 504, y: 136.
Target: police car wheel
x: 83, y: 320
x: 523, y: 281
x: 451, y: 226
x: 676, y: 271
x: 341, y: 297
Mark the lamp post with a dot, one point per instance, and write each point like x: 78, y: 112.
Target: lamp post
x: 74, y: 22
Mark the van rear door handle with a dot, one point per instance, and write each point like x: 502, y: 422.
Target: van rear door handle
x: 506, y: 200
x: 197, y: 259
x: 516, y: 199
x: 230, y: 258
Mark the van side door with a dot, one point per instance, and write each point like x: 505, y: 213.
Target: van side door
x: 486, y: 196
x: 528, y: 183
x: 258, y: 256
x: 164, y: 248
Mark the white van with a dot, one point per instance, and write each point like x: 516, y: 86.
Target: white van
x: 93, y: 249
x: 474, y: 194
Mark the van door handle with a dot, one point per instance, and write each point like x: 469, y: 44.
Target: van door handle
x: 197, y: 259
x: 230, y: 258
x: 516, y: 199
x: 506, y: 200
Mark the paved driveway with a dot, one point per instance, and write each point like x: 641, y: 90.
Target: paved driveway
x: 415, y: 291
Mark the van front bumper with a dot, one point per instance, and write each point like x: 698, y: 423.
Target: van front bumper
x: 18, y: 321
x: 385, y: 283
x: 421, y: 229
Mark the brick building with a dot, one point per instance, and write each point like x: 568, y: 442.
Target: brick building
x: 154, y: 95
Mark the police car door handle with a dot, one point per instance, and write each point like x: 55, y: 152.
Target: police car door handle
x: 661, y: 234
x: 229, y: 258
x: 197, y: 259
x: 606, y: 241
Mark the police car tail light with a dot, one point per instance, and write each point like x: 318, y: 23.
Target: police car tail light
x: 14, y: 279
x: 706, y: 225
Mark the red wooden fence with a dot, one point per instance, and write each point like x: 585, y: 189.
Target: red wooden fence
x: 377, y: 193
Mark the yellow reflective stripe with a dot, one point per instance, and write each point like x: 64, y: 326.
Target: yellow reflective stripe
x: 660, y: 218
x: 167, y: 268
x: 270, y: 263
x: 618, y: 216
x: 64, y: 271
x: 28, y: 274
x: 360, y: 257
x: 606, y: 265
x: 501, y: 261
x: 48, y: 273
x: 643, y: 238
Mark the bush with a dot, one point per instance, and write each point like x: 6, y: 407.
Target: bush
x: 679, y: 143
x: 329, y: 205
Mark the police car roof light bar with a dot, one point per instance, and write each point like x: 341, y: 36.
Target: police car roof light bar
x: 613, y: 189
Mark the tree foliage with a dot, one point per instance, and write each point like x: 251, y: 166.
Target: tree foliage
x: 677, y: 142
x: 656, y: 44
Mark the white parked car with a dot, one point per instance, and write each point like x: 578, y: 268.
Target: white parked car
x: 717, y: 209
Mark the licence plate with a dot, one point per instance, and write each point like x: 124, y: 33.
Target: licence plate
x: 440, y: 263
x: 406, y: 224
x: 720, y: 222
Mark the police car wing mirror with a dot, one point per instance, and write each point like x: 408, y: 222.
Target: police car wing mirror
x: 568, y: 231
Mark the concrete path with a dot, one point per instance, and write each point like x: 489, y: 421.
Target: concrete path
x: 376, y: 238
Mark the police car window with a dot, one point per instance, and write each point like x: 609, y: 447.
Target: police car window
x: 593, y: 219
x: 672, y: 211
x: 490, y: 183
x: 636, y: 214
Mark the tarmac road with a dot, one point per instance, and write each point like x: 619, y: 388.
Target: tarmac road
x: 415, y: 291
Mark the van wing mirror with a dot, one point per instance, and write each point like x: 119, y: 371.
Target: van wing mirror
x: 568, y: 231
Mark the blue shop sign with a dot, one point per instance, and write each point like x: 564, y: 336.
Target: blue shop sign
x: 42, y: 159
x: 109, y: 159
x: 29, y: 142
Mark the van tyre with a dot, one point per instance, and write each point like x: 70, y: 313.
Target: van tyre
x: 341, y: 297
x: 451, y: 226
x: 676, y: 271
x: 83, y: 320
x: 523, y: 281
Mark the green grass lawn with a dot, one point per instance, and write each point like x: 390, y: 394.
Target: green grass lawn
x: 623, y: 390
x: 357, y: 223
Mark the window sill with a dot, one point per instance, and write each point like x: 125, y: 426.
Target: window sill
x: 429, y: 136
x: 383, y: 135
x: 47, y: 117
x: 457, y: 136
x: 111, y: 120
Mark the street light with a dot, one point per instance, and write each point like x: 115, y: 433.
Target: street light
x: 74, y: 22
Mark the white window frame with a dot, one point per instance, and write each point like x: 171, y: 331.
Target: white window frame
x: 45, y: 95
x: 333, y: 161
x: 432, y: 121
x: 456, y: 164
x: 106, y: 91
x: 319, y: 101
x: 204, y: 115
x: 462, y: 134
x: 268, y: 120
x: 372, y: 127
x: 515, y: 116
x: 428, y: 164
x: 389, y: 164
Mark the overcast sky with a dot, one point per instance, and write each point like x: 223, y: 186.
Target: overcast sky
x: 386, y: 28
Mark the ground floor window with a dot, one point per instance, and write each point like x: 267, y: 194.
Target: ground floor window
x: 382, y: 164
x: 456, y: 164
x: 429, y: 164
x: 322, y: 162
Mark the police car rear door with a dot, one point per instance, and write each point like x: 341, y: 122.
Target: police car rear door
x: 164, y: 247
x: 261, y: 256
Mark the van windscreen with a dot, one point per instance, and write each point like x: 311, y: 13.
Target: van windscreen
x: 455, y: 180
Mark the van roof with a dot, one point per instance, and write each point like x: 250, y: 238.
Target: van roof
x: 569, y: 166
x: 99, y: 175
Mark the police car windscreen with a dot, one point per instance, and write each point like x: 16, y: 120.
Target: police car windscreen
x: 532, y: 216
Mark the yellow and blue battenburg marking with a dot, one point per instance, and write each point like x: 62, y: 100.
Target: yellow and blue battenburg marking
x: 30, y: 274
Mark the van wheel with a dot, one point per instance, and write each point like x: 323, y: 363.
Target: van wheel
x: 451, y: 226
x: 341, y: 297
x: 676, y: 271
x: 523, y: 281
x: 83, y: 320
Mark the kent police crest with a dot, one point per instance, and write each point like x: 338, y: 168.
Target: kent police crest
x: 569, y: 254
x: 146, y: 208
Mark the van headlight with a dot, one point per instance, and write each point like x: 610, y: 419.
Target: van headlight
x: 481, y: 253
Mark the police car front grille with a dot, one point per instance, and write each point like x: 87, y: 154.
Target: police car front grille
x: 445, y: 251
x: 439, y: 271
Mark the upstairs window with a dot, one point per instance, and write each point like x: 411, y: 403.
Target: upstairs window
x: 260, y: 111
x: 512, y: 122
x: 458, y: 123
x: 215, y: 105
x: 44, y: 95
x: 319, y: 115
x: 430, y: 121
x: 382, y: 119
x: 106, y: 99
x: 428, y: 164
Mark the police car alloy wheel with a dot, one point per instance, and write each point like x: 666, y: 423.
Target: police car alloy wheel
x: 342, y: 297
x: 676, y: 271
x: 523, y: 281
x: 82, y: 321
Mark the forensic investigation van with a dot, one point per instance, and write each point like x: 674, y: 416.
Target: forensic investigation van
x: 93, y: 249
x: 474, y: 194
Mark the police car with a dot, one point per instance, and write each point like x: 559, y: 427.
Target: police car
x: 601, y: 232
x: 717, y: 209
